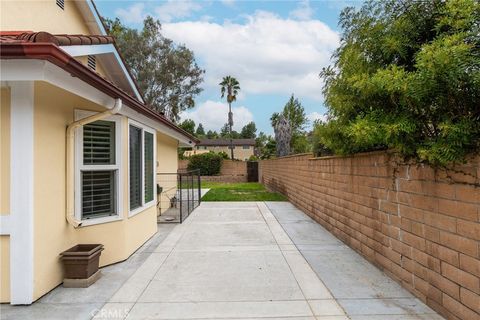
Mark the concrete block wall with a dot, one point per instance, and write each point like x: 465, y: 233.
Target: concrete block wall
x: 419, y: 225
x: 231, y: 171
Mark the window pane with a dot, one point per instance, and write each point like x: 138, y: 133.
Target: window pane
x: 99, y: 143
x: 135, y: 144
x: 149, y: 166
x: 98, y: 193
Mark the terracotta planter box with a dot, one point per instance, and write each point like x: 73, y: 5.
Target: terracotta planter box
x: 81, y: 262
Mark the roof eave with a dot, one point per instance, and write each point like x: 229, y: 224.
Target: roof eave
x: 53, y: 54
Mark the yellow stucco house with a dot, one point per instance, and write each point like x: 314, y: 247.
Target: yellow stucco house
x: 79, y: 148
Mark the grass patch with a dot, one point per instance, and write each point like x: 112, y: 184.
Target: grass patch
x: 248, y: 191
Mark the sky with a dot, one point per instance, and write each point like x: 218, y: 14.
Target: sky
x: 273, y: 48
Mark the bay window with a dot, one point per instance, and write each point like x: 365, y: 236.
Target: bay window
x: 97, y: 170
x: 141, y: 167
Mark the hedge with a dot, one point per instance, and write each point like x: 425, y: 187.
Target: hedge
x: 208, y: 163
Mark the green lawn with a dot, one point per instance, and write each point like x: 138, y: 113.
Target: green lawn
x: 248, y: 191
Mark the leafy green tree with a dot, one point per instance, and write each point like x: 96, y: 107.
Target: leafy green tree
x: 226, y: 133
x: 249, y: 131
x: 294, y: 112
x: 167, y: 74
x: 212, y: 134
x: 231, y: 87
x: 188, y: 125
x: 265, y: 145
x: 406, y: 76
x: 200, y: 131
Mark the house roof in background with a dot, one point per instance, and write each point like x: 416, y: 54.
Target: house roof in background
x: 226, y: 142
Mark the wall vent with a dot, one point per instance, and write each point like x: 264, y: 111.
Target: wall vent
x: 61, y: 4
x: 92, y: 63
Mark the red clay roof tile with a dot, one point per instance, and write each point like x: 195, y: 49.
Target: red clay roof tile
x: 59, y: 40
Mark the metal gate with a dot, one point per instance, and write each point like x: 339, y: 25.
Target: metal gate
x: 178, y: 194
x: 252, y: 171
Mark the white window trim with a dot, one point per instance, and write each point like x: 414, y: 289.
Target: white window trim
x: 80, y: 114
x: 144, y: 205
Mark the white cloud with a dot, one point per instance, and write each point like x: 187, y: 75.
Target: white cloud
x: 303, y: 11
x: 133, y: 14
x: 173, y: 9
x: 228, y: 3
x: 316, y: 116
x: 214, y: 114
x: 267, y: 54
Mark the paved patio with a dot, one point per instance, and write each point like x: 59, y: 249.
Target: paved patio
x: 244, y: 260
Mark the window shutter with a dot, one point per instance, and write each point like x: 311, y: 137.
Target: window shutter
x: 135, y: 144
x: 98, y: 193
x: 149, y: 166
x: 99, y: 143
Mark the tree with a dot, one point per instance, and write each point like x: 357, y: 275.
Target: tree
x: 283, y: 135
x: 249, y: 131
x: 225, y: 131
x: 167, y: 74
x: 188, y: 125
x: 407, y: 77
x: 294, y: 112
x: 265, y: 145
x: 200, y: 131
x: 231, y: 87
x: 212, y: 134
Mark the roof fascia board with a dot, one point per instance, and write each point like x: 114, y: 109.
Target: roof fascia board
x: 127, y: 74
x: 38, y: 70
x: 96, y: 16
x: 90, y: 10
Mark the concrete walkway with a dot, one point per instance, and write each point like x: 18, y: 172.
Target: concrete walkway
x: 243, y: 260
x: 235, y: 261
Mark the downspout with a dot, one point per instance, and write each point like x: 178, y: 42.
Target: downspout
x: 70, y: 212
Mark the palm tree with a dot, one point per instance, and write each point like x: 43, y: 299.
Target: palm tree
x: 231, y: 86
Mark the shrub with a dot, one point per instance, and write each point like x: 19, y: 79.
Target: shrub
x: 209, y: 163
x: 406, y: 77
x: 223, y: 154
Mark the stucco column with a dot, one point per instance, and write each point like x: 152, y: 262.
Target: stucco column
x: 21, y: 192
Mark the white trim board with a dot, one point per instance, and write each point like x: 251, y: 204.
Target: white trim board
x: 80, y: 114
x: 21, y: 192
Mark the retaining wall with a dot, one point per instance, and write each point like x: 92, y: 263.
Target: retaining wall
x: 419, y: 225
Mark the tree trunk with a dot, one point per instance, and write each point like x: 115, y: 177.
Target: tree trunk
x: 230, y: 124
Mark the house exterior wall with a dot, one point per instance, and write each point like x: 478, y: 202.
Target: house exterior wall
x: 41, y: 15
x: 4, y: 191
x: 98, y: 68
x: 419, y: 225
x: 4, y: 151
x: 167, y: 163
x: 45, y: 15
x: 54, y: 110
x: 4, y: 268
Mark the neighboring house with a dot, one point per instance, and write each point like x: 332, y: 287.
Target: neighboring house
x: 243, y: 149
x: 79, y: 148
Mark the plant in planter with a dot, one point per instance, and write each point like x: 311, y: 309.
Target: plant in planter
x: 81, y: 265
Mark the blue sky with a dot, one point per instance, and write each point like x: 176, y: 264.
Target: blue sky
x: 274, y: 49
